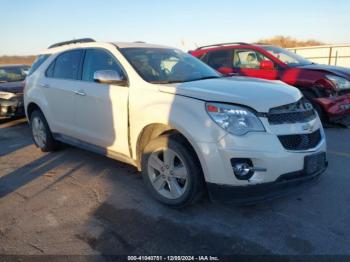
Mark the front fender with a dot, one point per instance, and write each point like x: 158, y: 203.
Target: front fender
x: 187, y: 115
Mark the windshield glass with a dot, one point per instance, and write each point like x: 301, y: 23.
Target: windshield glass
x: 13, y: 73
x: 287, y: 57
x: 158, y: 65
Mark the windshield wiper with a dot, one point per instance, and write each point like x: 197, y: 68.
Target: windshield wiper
x: 167, y: 81
x: 204, y: 78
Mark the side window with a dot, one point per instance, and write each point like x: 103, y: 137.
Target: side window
x: 204, y: 58
x: 50, y: 70
x: 221, y: 58
x: 96, y: 60
x: 38, y: 62
x: 66, y: 66
x: 246, y: 58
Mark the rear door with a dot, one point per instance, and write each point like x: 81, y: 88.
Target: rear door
x: 246, y: 62
x: 102, y: 109
x: 62, y: 79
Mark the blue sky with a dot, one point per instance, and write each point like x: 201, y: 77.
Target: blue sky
x: 28, y: 26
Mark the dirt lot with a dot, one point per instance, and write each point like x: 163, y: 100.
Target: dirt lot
x: 76, y: 202
x: 27, y: 60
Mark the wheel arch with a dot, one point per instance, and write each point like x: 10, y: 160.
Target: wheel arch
x: 32, y: 106
x: 312, y: 94
x: 154, y: 130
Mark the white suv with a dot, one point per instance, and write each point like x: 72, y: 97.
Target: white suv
x: 187, y: 128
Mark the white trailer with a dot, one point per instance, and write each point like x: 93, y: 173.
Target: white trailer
x: 338, y: 55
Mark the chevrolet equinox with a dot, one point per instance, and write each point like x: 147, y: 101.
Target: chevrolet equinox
x: 189, y: 129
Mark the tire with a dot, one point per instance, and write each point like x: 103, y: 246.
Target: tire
x: 41, y: 133
x: 321, y: 113
x: 179, y: 180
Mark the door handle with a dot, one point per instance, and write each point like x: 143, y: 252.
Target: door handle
x: 44, y: 85
x: 80, y: 92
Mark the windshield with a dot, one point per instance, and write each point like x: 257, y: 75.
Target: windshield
x: 13, y: 73
x: 158, y: 65
x: 287, y: 57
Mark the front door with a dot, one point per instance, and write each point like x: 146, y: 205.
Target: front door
x: 247, y: 62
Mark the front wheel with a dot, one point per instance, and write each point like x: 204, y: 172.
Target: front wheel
x: 171, y: 172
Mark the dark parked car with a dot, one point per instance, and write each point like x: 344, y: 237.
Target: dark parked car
x: 327, y: 87
x: 11, y: 90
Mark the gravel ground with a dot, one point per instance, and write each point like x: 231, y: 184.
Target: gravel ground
x: 73, y: 202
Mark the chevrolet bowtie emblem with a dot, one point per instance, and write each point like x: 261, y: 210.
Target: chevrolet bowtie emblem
x: 308, y: 127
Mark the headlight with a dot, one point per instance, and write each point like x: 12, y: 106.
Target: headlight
x: 236, y: 120
x: 339, y: 82
x: 6, y: 95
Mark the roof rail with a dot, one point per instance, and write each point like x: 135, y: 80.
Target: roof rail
x: 221, y: 44
x: 75, y: 41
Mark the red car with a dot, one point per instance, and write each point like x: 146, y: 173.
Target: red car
x: 327, y: 87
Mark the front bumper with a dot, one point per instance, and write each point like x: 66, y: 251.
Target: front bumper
x: 335, y: 107
x: 261, y: 192
x: 12, y: 107
x: 270, y: 159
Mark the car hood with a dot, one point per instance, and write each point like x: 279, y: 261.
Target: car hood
x: 258, y: 94
x: 12, y: 87
x: 337, y: 70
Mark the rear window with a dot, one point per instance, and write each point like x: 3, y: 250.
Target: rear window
x: 37, y: 63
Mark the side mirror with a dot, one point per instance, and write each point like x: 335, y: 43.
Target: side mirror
x: 225, y: 70
x: 109, y: 77
x: 267, y: 65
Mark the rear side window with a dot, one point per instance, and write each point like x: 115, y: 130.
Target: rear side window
x: 49, y: 71
x: 221, y: 58
x: 66, y: 66
x: 96, y: 60
x: 37, y: 63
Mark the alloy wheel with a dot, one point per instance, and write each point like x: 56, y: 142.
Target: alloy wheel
x: 168, y: 173
x: 39, y: 132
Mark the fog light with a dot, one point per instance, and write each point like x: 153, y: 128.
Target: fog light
x: 243, y: 168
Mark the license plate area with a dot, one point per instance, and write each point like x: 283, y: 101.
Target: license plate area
x: 314, y: 163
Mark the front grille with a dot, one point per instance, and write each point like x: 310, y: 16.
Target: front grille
x: 301, y: 142
x: 299, y: 112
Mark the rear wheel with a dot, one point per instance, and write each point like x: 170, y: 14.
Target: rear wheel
x: 171, y: 172
x: 41, y: 133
